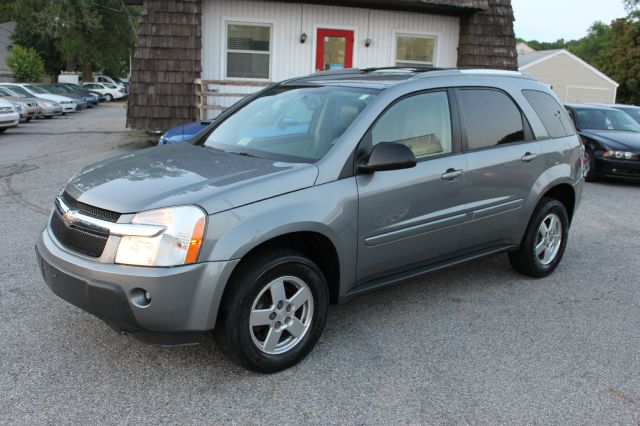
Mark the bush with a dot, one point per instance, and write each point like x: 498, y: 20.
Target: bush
x: 26, y: 64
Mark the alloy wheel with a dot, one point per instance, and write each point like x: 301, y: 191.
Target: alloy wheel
x: 281, y: 315
x: 548, y: 239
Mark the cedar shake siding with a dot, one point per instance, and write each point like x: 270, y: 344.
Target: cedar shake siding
x: 166, y: 61
x: 487, y: 39
x: 169, y: 52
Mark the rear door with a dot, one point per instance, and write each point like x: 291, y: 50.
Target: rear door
x: 412, y: 216
x: 504, y: 163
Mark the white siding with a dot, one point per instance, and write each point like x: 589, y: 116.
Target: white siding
x: 572, y: 81
x: 290, y: 58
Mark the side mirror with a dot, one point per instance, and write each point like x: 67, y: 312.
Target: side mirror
x: 388, y: 156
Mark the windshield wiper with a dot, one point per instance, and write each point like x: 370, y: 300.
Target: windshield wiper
x: 245, y: 153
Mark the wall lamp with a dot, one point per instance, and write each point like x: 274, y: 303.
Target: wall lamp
x: 303, y: 37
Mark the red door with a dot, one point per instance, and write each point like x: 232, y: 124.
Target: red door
x: 334, y: 49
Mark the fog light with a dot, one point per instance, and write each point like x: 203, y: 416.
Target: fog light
x: 140, y: 297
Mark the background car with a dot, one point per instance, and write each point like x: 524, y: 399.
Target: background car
x: 91, y: 99
x: 47, y: 107
x: 82, y: 101
x: 110, y: 80
x: 9, y: 117
x: 66, y: 103
x: 110, y: 91
x: 611, y: 139
x: 183, y: 133
x: 30, y: 108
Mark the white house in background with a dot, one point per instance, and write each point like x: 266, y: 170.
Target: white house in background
x: 6, y: 31
x: 571, y: 78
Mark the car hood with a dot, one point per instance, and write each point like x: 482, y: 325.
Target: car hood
x: 615, y: 139
x: 182, y: 174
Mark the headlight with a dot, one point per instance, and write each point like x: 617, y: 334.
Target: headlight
x: 178, y: 244
x: 620, y: 155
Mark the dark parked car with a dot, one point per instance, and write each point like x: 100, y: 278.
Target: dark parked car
x: 253, y: 229
x: 78, y: 88
x: 611, y: 139
x: 83, y: 95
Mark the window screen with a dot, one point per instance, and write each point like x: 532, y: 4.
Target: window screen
x: 248, y: 51
x: 553, y: 116
x: 413, y: 50
x: 490, y: 118
x: 421, y: 122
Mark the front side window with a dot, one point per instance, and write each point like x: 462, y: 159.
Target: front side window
x: 295, y: 123
x: 19, y: 91
x: 604, y: 119
x: 421, y: 122
x: 37, y: 89
x: 248, y: 51
x: 415, y: 50
x: 490, y: 118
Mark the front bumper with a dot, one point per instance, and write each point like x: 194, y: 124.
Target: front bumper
x: 184, y: 300
x: 68, y: 107
x: 626, y: 169
x: 50, y: 112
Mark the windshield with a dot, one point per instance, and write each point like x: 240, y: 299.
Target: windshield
x: 110, y: 86
x: 291, y: 123
x: 37, y: 89
x: 633, y: 113
x: 4, y: 92
x: 19, y: 91
x: 605, y: 119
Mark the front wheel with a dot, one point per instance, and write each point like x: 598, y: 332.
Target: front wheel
x: 544, y: 241
x: 109, y: 98
x: 274, y: 312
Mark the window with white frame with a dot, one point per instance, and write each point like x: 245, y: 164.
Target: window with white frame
x: 415, y: 50
x: 248, y: 50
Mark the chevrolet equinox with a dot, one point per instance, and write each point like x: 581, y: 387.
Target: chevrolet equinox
x: 308, y: 193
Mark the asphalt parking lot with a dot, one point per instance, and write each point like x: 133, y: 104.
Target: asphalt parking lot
x: 477, y: 344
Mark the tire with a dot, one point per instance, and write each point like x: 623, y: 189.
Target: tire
x: 3, y: 129
x: 251, y: 290
x: 590, y: 162
x: 108, y: 97
x: 528, y: 260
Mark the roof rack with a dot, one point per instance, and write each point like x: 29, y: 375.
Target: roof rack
x: 410, y: 69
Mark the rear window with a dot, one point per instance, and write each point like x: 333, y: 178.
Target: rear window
x: 490, y: 118
x: 553, y: 116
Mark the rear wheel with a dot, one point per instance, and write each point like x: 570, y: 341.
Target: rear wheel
x: 544, y: 241
x: 3, y: 129
x: 274, y: 312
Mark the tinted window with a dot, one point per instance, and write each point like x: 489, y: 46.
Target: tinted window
x: 422, y: 122
x: 632, y: 112
x: 490, y: 118
x: 552, y: 115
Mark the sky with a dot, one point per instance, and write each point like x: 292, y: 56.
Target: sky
x: 550, y: 20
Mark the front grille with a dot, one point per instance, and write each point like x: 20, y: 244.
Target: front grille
x: 88, y: 210
x: 88, y: 243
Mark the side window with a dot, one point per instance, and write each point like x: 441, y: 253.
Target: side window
x: 552, y: 115
x: 490, y: 118
x: 421, y: 122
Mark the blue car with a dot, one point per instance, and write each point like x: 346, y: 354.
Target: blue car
x: 182, y: 133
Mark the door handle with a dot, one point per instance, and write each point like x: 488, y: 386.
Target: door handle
x: 528, y: 157
x: 451, y: 174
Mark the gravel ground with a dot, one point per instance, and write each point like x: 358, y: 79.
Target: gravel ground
x: 477, y: 344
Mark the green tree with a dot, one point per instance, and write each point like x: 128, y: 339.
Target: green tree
x: 25, y: 63
x: 621, y: 59
x: 75, y: 35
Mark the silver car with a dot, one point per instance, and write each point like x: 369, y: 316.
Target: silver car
x: 313, y: 191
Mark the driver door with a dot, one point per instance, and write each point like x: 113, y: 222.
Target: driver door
x: 412, y: 216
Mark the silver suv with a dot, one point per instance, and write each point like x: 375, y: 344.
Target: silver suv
x: 308, y: 193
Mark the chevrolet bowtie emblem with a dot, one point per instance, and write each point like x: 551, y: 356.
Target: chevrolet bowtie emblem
x: 68, y: 217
